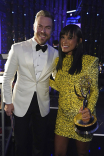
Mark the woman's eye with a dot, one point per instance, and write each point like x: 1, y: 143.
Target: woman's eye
x: 69, y: 38
x: 62, y: 36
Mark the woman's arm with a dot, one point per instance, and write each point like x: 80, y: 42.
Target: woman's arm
x: 94, y: 92
x: 53, y: 84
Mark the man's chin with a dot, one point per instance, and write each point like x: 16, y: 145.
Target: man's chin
x: 42, y: 41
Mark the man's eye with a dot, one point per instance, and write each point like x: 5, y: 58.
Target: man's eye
x: 39, y: 26
x: 48, y: 27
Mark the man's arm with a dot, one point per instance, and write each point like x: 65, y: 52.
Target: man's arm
x: 10, y: 69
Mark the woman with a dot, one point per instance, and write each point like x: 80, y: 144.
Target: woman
x: 72, y: 64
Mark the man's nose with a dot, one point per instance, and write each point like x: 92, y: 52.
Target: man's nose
x: 43, y: 30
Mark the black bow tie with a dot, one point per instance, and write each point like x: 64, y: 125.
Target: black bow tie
x: 43, y: 48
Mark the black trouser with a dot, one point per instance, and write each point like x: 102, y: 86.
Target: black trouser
x: 21, y: 130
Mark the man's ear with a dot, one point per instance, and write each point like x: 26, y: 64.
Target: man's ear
x: 52, y: 32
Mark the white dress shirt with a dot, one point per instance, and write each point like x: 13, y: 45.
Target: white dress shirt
x: 39, y: 59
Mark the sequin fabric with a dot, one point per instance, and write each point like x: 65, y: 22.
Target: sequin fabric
x: 68, y: 102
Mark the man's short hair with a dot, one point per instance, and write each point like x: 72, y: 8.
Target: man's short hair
x: 44, y: 13
x: 55, y: 42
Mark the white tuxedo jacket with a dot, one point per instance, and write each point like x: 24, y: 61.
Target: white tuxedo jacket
x: 20, y: 59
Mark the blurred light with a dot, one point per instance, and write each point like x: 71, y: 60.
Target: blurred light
x: 87, y: 13
x: 70, y: 14
x: 97, y: 14
x: 54, y: 20
x: 71, y: 11
x: 85, y: 40
x: 24, y: 14
x: 12, y: 12
x: 62, y: 21
x: 95, y: 40
x: 99, y: 148
x: 89, y: 150
x: 13, y: 39
x: 98, y: 134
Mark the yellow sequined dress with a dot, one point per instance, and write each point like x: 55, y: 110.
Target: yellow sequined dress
x: 68, y: 102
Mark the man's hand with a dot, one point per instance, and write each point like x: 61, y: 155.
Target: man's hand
x: 9, y: 109
x: 86, y: 114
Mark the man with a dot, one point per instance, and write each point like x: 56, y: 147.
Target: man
x: 30, y: 100
x: 55, y: 44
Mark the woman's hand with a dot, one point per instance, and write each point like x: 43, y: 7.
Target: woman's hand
x: 86, y: 114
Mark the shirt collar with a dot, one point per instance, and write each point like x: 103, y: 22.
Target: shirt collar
x: 34, y: 43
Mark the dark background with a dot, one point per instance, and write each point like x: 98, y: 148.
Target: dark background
x: 16, y: 25
x: 17, y: 18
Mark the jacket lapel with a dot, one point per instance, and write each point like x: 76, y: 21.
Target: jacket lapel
x: 29, y: 57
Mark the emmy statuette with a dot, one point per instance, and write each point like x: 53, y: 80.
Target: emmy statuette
x: 91, y: 126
